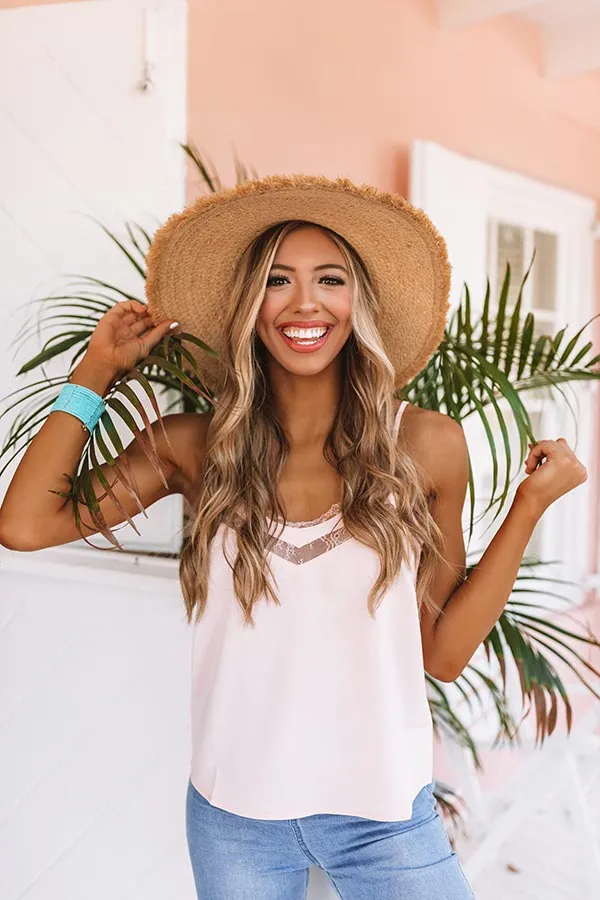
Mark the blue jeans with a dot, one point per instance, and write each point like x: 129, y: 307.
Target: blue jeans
x: 238, y: 858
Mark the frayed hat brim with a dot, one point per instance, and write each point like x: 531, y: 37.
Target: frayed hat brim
x: 193, y: 256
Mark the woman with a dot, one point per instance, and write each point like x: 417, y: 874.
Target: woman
x: 324, y: 565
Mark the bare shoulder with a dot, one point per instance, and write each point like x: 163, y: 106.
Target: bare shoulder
x: 187, y: 434
x: 436, y: 442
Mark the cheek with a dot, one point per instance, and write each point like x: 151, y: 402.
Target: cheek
x: 341, y: 309
x: 268, y: 312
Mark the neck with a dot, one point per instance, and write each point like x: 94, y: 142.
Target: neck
x: 307, y: 405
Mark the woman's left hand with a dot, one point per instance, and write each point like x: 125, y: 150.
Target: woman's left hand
x: 553, y: 470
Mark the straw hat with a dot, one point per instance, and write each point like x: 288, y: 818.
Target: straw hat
x: 193, y: 256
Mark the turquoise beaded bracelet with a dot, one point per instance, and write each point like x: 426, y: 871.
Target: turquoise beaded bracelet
x: 81, y: 402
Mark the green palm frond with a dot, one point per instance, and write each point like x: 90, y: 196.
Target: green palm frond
x: 209, y: 176
x: 485, y: 360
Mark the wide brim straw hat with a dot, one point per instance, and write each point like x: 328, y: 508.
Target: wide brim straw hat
x: 193, y: 257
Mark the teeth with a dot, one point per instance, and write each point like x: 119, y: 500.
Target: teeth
x: 304, y: 333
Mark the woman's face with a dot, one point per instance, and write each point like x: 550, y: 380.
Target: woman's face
x: 304, y: 320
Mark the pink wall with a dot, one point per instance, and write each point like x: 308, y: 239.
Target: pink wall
x: 323, y: 87
x: 335, y: 87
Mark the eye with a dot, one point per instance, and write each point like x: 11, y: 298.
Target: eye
x: 273, y: 280
x: 332, y: 279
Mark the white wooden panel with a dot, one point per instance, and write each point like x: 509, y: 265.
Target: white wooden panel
x: 452, y: 190
x: 94, y: 738
x: 80, y: 139
x: 94, y: 649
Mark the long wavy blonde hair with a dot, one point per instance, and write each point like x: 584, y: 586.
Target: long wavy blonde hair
x: 247, y: 449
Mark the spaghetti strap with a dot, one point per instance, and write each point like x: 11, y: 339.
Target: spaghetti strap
x: 396, y: 428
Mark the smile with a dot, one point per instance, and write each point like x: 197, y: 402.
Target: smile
x: 305, y: 339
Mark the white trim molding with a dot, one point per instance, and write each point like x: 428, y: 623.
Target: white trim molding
x: 460, y: 13
x: 109, y: 568
x: 572, y: 48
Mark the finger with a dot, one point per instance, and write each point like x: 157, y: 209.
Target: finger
x: 131, y: 317
x: 532, y: 462
x: 141, y: 325
x: 153, y: 336
x: 127, y: 307
x: 536, y: 458
x: 547, y: 447
x: 536, y: 452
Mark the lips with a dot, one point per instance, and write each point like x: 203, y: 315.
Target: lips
x: 309, y: 344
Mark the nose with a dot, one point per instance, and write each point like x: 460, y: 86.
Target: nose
x: 305, y: 299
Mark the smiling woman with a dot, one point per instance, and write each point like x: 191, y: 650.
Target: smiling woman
x: 283, y: 439
x: 311, y: 523
x: 296, y: 294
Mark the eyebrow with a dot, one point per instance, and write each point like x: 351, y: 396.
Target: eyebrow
x: 325, y: 266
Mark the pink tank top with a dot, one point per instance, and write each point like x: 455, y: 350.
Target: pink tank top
x: 319, y: 708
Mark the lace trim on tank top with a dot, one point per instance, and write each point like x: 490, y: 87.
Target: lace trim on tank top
x: 310, y: 551
x: 333, y: 511
x: 317, y: 547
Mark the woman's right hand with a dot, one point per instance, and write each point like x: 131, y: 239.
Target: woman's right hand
x: 124, y: 335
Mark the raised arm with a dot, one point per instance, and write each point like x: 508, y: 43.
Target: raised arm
x: 31, y: 516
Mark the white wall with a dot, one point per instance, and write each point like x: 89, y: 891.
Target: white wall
x: 81, y: 141
x: 94, y: 736
x: 94, y: 650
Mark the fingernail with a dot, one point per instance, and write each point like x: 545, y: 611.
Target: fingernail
x: 173, y: 325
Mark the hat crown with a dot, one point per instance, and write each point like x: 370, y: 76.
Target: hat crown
x: 193, y: 257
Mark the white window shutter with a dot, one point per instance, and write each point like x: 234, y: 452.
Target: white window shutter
x: 452, y: 191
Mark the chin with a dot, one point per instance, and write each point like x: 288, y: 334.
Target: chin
x: 306, y: 371
x: 305, y: 365
x: 301, y: 365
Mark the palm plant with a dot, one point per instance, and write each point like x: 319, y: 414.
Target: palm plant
x: 481, y: 362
